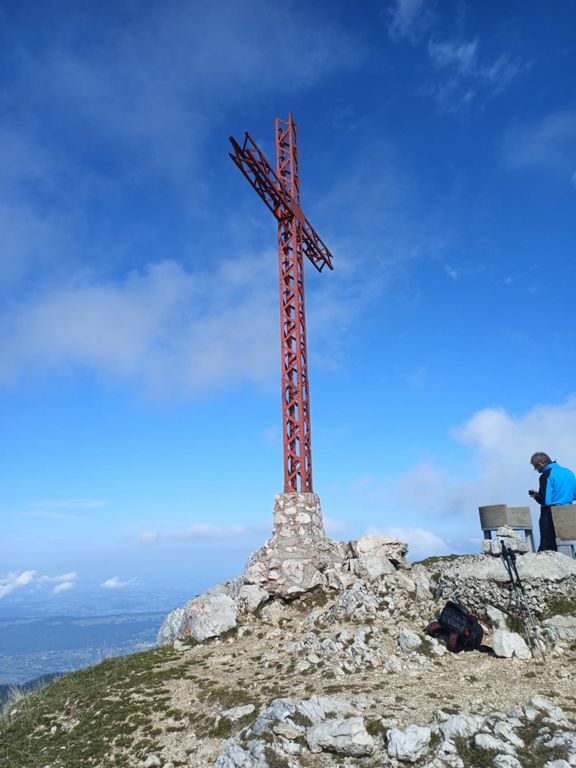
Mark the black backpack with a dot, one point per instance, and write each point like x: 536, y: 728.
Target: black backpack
x: 462, y: 629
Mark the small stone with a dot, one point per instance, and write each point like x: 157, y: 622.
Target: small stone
x: 492, y: 744
x: 408, y: 640
x: 509, y: 645
x: 409, y: 744
x: 345, y: 737
x: 152, y: 761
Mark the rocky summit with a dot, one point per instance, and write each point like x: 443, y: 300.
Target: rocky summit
x: 316, y: 657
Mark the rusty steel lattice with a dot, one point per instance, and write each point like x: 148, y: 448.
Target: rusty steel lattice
x: 280, y: 191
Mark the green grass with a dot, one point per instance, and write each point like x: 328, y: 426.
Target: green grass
x: 429, y: 561
x: 559, y: 606
x: 94, y: 717
x: 535, y: 754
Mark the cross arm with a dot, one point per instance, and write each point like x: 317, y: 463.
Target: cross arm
x: 253, y: 164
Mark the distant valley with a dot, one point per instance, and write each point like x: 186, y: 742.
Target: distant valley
x: 33, y: 647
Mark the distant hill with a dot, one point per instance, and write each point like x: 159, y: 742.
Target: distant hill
x: 33, y: 648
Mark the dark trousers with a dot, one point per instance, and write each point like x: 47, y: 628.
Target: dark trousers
x: 547, y: 532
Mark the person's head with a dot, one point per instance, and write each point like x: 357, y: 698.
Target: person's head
x: 540, y: 460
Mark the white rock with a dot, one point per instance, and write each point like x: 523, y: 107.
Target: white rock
x: 172, y: 626
x: 236, y: 713
x: 557, y: 764
x: 393, y: 665
x: 409, y: 744
x: 505, y: 731
x: 509, y: 644
x: 273, y: 613
x: 373, y: 544
x: 562, y: 627
x: 152, y: 761
x: 408, y: 640
x: 497, y: 618
x: 210, y: 615
x: 372, y: 566
x: 461, y: 725
x: 345, y: 737
x: 536, y: 566
x: 492, y: 744
x: 506, y: 761
x: 545, y: 705
x: 250, y: 597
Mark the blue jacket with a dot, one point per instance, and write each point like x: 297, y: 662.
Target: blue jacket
x: 557, y: 486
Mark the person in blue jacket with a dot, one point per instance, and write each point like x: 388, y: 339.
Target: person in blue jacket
x: 557, y: 486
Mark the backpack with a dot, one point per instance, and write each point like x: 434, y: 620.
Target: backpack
x: 461, y: 627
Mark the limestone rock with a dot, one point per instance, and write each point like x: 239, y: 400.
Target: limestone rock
x: 461, y: 725
x: 250, y: 597
x: 172, y: 627
x: 492, y: 744
x: 345, y: 737
x: 380, y: 546
x: 511, y: 539
x: 408, y: 640
x: 152, y: 761
x: 273, y: 613
x: 409, y: 744
x: 561, y: 628
x: 506, y: 761
x: 496, y: 617
x: 509, y: 644
x: 210, y: 615
x: 371, y: 566
x: 354, y: 603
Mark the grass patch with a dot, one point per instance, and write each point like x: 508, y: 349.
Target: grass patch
x: 94, y: 710
x: 274, y: 760
x: 473, y: 756
x: 559, y: 606
x: 435, y: 559
x: 307, y: 602
x: 535, y: 754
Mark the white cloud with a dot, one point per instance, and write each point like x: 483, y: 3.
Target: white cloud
x: 549, y: 144
x: 498, y: 471
x: 464, y: 78
x: 462, y: 56
x: 61, y: 578
x: 164, y: 326
x: 20, y: 579
x: 116, y: 583
x: 65, y: 586
x: 148, y: 537
x: 14, y: 580
x: 175, y: 67
x: 71, y: 504
x: 409, y: 19
x: 421, y: 543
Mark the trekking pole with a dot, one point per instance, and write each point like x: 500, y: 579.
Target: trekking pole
x: 519, y: 607
x: 533, y: 625
x: 522, y: 605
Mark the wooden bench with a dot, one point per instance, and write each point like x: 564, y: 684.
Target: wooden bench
x: 495, y: 516
x: 564, y: 517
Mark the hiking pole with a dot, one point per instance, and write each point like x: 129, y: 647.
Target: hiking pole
x: 535, y: 630
x: 506, y: 556
x: 522, y: 605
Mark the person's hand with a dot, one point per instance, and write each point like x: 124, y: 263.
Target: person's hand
x: 532, y: 492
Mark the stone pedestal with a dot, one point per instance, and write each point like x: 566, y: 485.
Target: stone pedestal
x: 293, y: 561
x: 297, y: 517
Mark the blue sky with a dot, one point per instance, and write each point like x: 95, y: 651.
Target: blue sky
x: 139, y: 339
